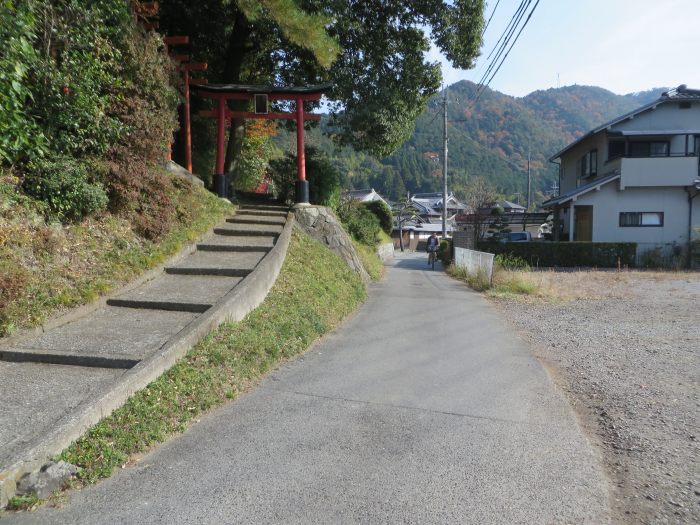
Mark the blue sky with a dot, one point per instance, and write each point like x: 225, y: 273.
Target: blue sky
x: 620, y: 45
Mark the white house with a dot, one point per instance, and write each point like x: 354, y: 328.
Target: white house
x: 635, y: 178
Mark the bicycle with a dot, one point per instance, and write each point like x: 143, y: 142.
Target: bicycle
x: 432, y: 255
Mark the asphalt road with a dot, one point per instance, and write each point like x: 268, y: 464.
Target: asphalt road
x: 423, y: 408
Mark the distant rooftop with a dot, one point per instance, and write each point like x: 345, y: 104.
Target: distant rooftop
x: 682, y: 92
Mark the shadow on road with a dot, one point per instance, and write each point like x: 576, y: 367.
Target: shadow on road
x: 414, y: 261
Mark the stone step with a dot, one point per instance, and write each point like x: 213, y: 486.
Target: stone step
x: 223, y: 272
x: 245, y: 232
x: 262, y: 213
x: 112, y: 333
x: 212, y: 247
x: 53, y: 357
x: 186, y: 293
x: 272, y: 221
x: 243, y: 241
x: 160, y: 305
x: 263, y: 207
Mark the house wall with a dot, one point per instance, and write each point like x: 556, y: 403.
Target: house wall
x: 610, y: 201
x: 655, y: 171
x: 571, y: 161
x: 666, y: 117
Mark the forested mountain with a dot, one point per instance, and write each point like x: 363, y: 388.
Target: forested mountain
x: 489, y: 139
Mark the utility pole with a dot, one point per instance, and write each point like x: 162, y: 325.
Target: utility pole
x: 528, y: 180
x: 444, y: 164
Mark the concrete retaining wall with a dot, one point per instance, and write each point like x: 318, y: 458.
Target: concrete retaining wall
x: 385, y: 251
x: 473, y: 261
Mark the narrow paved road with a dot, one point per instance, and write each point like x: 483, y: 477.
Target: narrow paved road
x: 422, y: 409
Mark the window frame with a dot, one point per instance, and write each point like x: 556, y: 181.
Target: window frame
x: 589, y: 164
x: 641, y: 218
x: 648, y: 144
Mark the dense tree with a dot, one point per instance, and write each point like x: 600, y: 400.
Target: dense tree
x: 381, y: 78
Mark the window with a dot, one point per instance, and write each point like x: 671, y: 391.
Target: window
x: 649, y: 149
x: 616, y: 148
x: 589, y: 164
x: 641, y: 218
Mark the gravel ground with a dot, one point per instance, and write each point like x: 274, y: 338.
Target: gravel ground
x: 626, y: 347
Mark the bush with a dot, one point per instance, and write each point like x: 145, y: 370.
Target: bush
x: 71, y: 189
x: 323, y: 177
x: 140, y: 193
x: 444, y: 252
x: 508, y: 261
x: 382, y: 211
x: 567, y: 254
x: 361, y: 223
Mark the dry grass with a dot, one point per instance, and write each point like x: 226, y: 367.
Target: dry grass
x: 557, y: 285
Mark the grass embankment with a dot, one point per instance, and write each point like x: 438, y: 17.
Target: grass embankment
x: 314, y: 292
x: 48, y: 267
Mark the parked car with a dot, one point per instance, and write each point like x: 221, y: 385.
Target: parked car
x: 517, y: 237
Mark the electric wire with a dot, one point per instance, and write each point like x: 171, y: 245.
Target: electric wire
x: 489, y: 20
x: 511, y: 46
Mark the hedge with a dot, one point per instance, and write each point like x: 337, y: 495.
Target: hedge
x: 567, y: 254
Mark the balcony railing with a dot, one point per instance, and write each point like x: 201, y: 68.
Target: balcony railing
x: 658, y: 171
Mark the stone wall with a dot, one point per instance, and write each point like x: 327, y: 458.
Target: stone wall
x: 320, y: 223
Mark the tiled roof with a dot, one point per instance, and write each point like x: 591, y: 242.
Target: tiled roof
x: 682, y: 93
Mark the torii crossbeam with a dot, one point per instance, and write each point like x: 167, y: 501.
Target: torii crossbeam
x: 260, y: 95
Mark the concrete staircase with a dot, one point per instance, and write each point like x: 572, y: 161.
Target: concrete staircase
x: 49, y: 377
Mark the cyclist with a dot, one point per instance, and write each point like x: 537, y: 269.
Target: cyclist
x: 432, y: 246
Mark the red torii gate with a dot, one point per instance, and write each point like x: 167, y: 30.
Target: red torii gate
x: 261, y: 95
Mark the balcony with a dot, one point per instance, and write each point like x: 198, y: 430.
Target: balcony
x: 657, y: 171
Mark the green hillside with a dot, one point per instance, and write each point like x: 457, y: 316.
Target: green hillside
x: 490, y: 140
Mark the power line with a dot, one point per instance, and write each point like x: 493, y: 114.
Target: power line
x: 508, y: 33
x: 527, y: 20
x: 505, y: 31
x: 489, y: 20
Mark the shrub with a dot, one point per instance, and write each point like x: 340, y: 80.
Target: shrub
x: 361, y: 223
x: 19, y: 134
x: 140, y: 193
x: 508, y: 261
x: 70, y: 188
x: 323, y: 177
x: 567, y: 254
x: 444, y: 252
x: 382, y: 211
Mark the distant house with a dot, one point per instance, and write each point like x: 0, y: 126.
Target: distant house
x: 634, y: 178
x: 430, y: 205
x: 428, y: 219
x: 510, y: 207
x: 363, y: 196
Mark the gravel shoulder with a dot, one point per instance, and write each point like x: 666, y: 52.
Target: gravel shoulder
x: 625, y: 348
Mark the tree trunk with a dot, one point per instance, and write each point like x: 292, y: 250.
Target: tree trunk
x: 232, y: 75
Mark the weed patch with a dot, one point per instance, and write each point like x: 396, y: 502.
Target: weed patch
x: 313, y: 293
x: 27, y: 502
